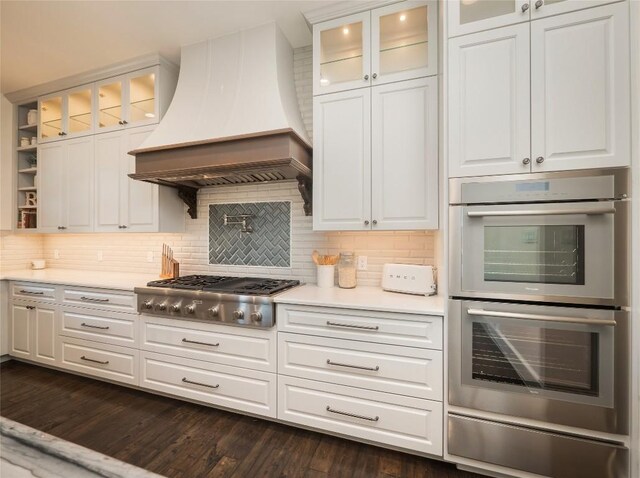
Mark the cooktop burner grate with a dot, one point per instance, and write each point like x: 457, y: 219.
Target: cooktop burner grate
x: 231, y: 285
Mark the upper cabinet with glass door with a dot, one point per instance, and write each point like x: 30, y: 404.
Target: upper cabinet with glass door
x: 469, y: 16
x: 127, y: 100
x: 392, y: 43
x: 404, y: 42
x: 66, y: 114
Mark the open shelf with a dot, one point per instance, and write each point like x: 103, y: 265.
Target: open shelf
x: 33, y: 170
x: 27, y: 207
x: 28, y: 127
x: 28, y: 188
x: 27, y: 149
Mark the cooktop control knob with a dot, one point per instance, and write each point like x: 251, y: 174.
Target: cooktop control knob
x: 175, y: 307
x: 162, y: 306
x: 238, y: 314
x: 191, y: 309
x: 256, y: 316
x: 214, y: 312
x: 147, y: 304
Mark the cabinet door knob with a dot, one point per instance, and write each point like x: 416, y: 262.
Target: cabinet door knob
x: 120, y: 122
x: 526, y: 161
x: 366, y: 223
x: 375, y: 222
x: 525, y: 7
x: 125, y: 122
x: 366, y: 77
x: 539, y: 160
x: 374, y: 76
x: 539, y: 3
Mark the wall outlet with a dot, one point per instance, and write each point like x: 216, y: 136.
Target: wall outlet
x: 99, y: 256
x: 56, y: 254
x: 362, y: 263
x: 150, y: 256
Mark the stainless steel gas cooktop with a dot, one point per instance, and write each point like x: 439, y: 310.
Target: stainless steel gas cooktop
x: 244, y: 301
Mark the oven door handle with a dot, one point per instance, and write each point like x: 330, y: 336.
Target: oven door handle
x: 546, y: 318
x: 545, y: 212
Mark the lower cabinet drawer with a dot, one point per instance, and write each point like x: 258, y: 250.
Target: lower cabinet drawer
x: 222, y: 385
x: 31, y: 291
x: 101, y: 360
x: 103, y: 298
x: 387, y: 368
x: 236, y: 346
x: 404, y: 422
x: 102, y: 326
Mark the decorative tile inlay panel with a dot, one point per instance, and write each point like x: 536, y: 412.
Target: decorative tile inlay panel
x: 269, y: 243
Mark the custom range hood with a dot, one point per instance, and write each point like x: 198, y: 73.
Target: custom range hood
x: 234, y: 119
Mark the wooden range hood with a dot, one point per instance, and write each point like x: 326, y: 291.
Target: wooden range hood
x: 276, y: 155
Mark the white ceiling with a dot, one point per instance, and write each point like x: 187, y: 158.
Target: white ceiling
x: 41, y: 41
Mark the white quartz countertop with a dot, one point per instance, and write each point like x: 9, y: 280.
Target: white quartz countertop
x: 369, y: 298
x: 81, y: 278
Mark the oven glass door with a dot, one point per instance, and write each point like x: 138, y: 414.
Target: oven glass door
x: 546, y: 355
x: 542, y: 250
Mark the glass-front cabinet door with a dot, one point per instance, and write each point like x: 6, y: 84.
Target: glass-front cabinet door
x: 468, y: 16
x: 110, y: 104
x: 341, y: 54
x: 142, y: 97
x: 403, y: 41
x: 51, y: 118
x: 79, y: 111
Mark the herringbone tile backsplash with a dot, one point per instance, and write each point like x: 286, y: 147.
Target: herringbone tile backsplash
x: 267, y: 245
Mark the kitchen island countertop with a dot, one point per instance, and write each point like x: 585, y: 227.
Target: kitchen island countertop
x: 81, y: 278
x: 363, y: 298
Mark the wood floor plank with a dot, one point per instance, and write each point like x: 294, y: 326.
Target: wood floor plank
x: 184, y: 440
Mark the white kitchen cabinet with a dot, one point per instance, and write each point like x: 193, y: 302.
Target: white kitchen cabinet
x: 489, y: 102
x: 473, y: 16
x: 546, y: 8
x: 342, y: 161
x: 518, y: 105
x: 580, y: 103
x: 33, y: 331
x: 376, y: 158
x: 392, y: 43
x: 404, y: 155
x: 128, y: 100
x: 66, y: 114
x: 66, y: 186
x: 126, y: 205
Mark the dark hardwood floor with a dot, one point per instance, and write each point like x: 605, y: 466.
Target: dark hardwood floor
x: 180, y: 439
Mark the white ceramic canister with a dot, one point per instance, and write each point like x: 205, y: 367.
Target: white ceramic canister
x: 326, y: 276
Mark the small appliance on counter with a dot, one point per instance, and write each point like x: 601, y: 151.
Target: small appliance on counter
x: 409, y: 279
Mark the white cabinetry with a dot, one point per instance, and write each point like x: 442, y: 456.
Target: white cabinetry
x: 580, y: 114
x: 376, y: 153
x: 516, y: 106
x: 369, y: 375
x: 387, y: 44
x: 489, y: 102
x: 66, y: 114
x: 33, y: 331
x: 126, y: 205
x: 66, y: 186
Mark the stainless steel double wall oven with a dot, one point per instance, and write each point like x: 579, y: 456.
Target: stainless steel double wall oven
x: 538, y: 329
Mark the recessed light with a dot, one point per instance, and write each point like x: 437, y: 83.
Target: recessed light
x: 324, y: 81
x: 150, y: 115
x: 345, y: 30
x: 403, y: 17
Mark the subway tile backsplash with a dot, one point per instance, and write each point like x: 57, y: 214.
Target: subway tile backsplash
x: 250, y: 234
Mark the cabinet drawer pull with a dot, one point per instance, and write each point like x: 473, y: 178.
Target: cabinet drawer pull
x: 187, y: 341
x: 31, y: 307
x: 94, y: 326
x: 354, y: 415
x: 105, y: 362
x: 359, y: 367
x: 351, y: 326
x: 22, y: 291
x: 184, y: 380
x: 93, y: 299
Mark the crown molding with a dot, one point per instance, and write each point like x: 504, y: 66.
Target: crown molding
x: 117, y: 69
